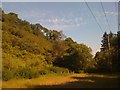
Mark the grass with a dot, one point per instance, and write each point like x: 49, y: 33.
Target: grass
x: 66, y: 81
x: 24, y: 83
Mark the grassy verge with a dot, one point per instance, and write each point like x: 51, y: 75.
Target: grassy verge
x: 47, y: 79
x: 54, y: 80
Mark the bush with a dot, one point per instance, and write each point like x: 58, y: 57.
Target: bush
x: 91, y: 70
x: 7, y: 75
x: 27, y: 73
x: 58, y: 70
x: 80, y: 71
x: 43, y: 72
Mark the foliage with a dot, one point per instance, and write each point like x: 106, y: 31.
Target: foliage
x: 43, y: 72
x: 7, y: 75
x: 27, y: 73
x: 58, y: 70
x: 107, y: 59
x: 76, y: 58
x: 53, y: 69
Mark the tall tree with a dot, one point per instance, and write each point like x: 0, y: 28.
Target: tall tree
x: 104, y: 45
x: 108, y: 57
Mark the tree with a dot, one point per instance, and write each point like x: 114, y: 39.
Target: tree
x: 11, y: 13
x: 108, y: 58
x: 103, y: 61
x: 104, y: 45
x: 54, y: 35
x: 37, y: 29
x: 76, y: 57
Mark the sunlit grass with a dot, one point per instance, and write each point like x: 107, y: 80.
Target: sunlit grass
x: 55, y: 79
x: 42, y: 80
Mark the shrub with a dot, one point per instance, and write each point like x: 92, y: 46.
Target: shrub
x: 27, y: 73
x: 43, y: 72
x: 34, y: 64
x: 58, y: 70
x: 7, y: 75
x: 80, y: 71
x: 91, y: 70
x: 19, y: 34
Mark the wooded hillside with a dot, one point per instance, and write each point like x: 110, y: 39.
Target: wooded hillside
x: 29, y: 48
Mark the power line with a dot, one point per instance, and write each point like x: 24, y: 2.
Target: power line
x: 93, y: 15
x: 107, y: 23
x: 116, y: 13
x: 96, y: 22
x: 105, y: 15
x: 108, y: 38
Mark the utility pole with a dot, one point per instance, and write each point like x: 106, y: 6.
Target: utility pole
x: 109, y: 61
x: 108, y: 42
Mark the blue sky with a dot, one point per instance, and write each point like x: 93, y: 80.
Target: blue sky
x: 73, y: 18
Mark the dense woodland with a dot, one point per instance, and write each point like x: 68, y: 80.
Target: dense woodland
x: 30, y: 50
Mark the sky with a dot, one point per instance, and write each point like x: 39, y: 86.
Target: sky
x: 73, y: 18
x: 58, y: 0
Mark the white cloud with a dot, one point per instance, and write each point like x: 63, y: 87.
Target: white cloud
x: 35, y: 13
x: 60, y: 23
x: 111, y: 13
x: 53, y: 20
